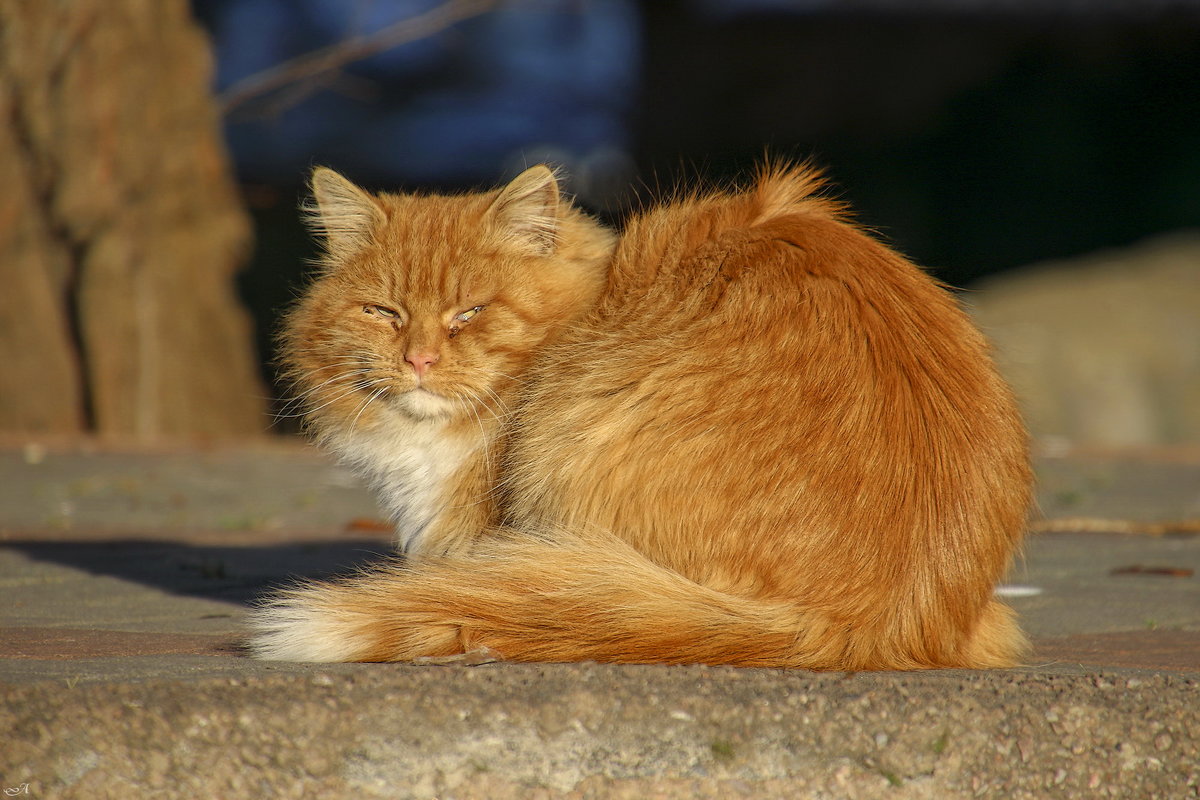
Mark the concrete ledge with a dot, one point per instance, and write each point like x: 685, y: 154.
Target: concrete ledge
x: 588, y: 730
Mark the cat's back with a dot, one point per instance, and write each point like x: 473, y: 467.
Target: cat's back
x: 726, y: 306
x: 759, y: 366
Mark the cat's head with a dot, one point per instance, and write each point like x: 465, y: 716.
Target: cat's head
x: 429, y: 306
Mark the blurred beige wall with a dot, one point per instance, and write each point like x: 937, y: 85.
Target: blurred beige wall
x: 1103, y: 349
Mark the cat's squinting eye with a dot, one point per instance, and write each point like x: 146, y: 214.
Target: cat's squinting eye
x: 467, y: 315
x: 380, y: 311
x: 462, y: 318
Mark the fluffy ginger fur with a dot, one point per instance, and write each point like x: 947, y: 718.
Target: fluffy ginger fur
x: 771, y: 441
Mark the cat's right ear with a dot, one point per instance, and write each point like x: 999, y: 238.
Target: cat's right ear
x: 527, y: 210
x: 342, y: 213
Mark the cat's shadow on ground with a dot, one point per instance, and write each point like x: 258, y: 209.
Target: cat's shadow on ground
x: 216, y: 572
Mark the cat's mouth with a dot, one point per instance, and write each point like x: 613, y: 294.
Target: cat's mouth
x: 423, y: 403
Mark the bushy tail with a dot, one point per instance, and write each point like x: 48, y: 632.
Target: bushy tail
x: 540, y: 598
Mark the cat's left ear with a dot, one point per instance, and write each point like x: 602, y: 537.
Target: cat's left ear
x: 527, y: 210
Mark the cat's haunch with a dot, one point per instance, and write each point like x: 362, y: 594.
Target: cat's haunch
x: 742, y: 432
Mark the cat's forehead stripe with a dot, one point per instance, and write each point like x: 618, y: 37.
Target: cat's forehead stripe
x: 429, y: 252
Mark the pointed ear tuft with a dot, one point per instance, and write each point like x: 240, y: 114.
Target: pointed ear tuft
x: 527, y: 210
x: 342, y: 213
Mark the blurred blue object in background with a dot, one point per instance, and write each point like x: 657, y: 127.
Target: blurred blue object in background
x: 528, y: 81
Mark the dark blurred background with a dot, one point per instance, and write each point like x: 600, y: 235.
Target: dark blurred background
x: 976, y: 136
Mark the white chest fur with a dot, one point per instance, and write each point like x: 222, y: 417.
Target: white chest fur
x: 409, y: 464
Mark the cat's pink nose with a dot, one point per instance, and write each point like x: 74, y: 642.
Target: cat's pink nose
x: 421, y: 361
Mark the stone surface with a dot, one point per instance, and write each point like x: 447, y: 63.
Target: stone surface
x: 122, y: 675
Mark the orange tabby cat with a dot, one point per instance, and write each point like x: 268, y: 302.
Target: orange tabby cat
x: 771, y: 441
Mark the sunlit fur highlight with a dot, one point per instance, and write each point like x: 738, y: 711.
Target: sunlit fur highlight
x: 772, y: 442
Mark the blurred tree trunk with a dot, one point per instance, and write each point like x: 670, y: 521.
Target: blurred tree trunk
x: 120, y: 228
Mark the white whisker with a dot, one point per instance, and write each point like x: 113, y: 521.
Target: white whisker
x: 341, y: 376
x: 293, y: 380
x: 347, y: 393
x: 289, y: 409
x: 370, y: 399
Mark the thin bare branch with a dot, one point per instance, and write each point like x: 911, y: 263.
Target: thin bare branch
x: 356, y: 48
